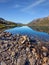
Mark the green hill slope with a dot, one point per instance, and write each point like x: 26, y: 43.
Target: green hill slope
x: 5, y: 23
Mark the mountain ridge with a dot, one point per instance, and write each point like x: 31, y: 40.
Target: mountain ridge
x: 40, y: 22
x: 4, y: 23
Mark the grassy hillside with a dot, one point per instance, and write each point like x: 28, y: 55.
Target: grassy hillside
x: 6, y: 24
x: 41, y: 24
x: 2, y: 26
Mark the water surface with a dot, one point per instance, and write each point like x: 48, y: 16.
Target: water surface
x: 25, y: 30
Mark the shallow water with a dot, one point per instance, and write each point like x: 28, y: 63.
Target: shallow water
x: 25, y: 30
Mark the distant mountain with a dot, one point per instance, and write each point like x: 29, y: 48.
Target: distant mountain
x: 40, y: 22
x: 1, y: 19
x: 4, y: 23
x: 7, y: 24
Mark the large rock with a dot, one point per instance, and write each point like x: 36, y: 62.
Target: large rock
x: 22, y: 40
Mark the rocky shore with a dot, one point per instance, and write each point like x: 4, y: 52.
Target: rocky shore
x: 22, y: 50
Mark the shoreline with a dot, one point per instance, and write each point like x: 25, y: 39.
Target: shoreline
x: 22, y: 50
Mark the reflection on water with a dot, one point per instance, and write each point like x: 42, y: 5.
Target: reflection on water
x: 25, y: 30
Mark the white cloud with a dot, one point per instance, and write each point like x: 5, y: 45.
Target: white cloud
x: 33, y: 5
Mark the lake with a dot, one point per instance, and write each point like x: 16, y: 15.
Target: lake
x: 25, y: 30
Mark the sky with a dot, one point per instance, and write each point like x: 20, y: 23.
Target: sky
x: 23, y: 11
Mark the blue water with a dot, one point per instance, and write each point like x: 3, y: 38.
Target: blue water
x: 25, y: 30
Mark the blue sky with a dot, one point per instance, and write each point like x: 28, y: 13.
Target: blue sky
x: 23, y: 11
